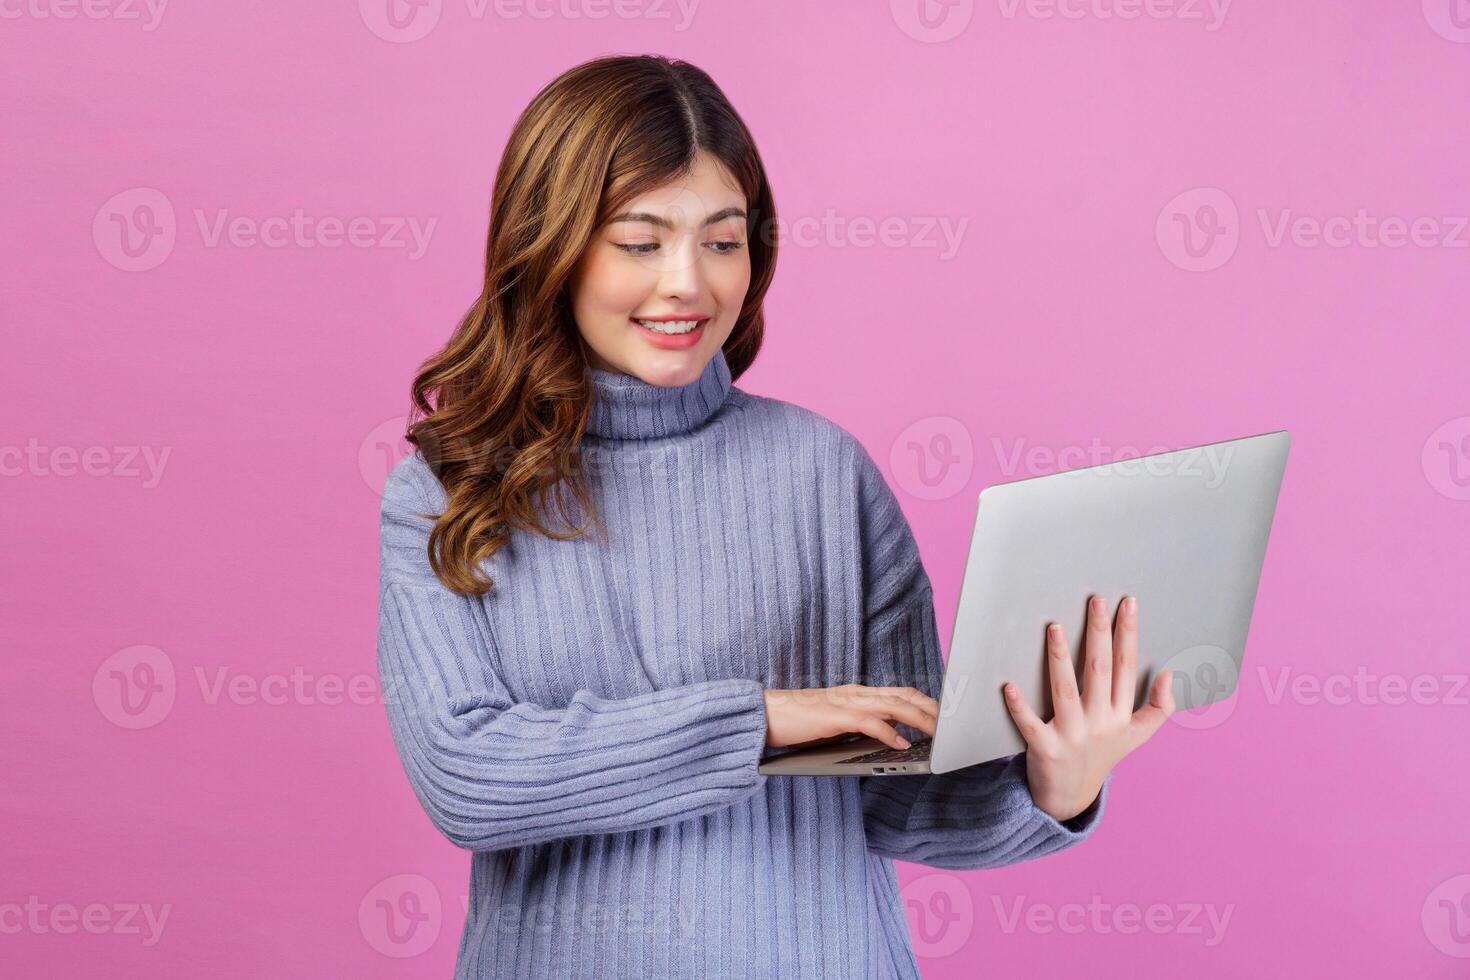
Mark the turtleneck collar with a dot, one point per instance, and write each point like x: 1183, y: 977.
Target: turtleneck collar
x: 627, y: 407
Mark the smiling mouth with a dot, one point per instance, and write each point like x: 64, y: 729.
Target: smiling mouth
x: 669, y: 327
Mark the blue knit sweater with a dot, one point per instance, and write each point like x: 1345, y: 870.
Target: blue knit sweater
x: 590, y: 729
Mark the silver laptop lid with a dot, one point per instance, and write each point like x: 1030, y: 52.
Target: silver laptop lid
x: 1184, y: 531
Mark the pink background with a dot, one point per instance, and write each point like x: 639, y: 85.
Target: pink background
x: 267, y: 819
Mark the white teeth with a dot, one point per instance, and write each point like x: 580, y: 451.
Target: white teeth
x: 673, y: 326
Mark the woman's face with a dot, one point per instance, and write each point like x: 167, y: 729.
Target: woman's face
x: 677, y: 253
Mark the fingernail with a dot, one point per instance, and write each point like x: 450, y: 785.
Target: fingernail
x: 1097, y: 604
x: 1131, y: 603
x: 1011, y: 691
x: 903, y: 743
x: 1055, y: 629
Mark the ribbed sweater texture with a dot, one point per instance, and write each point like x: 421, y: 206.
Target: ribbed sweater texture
x: 590, y: 729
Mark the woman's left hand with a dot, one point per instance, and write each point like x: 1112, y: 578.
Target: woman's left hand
x: 1068, y: 758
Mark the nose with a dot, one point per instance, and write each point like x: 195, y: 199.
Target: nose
x: 681, y: 274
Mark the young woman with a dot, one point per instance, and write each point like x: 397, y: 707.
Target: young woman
x: 611, y: 580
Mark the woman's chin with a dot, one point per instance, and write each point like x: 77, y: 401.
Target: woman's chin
x: 669, y: 369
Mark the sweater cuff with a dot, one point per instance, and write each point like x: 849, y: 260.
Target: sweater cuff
x: 1076, y: 828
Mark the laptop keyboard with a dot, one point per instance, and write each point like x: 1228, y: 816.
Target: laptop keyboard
x: 916, y: 752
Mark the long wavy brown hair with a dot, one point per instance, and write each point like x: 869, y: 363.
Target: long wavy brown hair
x: 510, y: 389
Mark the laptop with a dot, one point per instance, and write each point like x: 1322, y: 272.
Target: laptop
x: 1184, y: 531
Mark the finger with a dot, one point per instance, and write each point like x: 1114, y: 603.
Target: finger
x: 869, y: 696
x: 1125, y: 654
x: 1064, y: 697
x: 1150, y: 717
x: 1028, y: 723
x: 883, y: 732
x: 1097, y: 672
x: 915, y: 699
x: 908, y: 713
x: 916, y: 696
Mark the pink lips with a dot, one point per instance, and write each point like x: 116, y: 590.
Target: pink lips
x: 682, y: 341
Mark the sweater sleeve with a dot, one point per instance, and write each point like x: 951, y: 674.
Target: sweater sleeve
x: 981, y: 816
x: 495, y: 773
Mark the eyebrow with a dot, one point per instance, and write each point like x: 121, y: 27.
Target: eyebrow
x: 662, y: 222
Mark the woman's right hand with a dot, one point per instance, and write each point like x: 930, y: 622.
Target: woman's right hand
x: 800, y: 715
